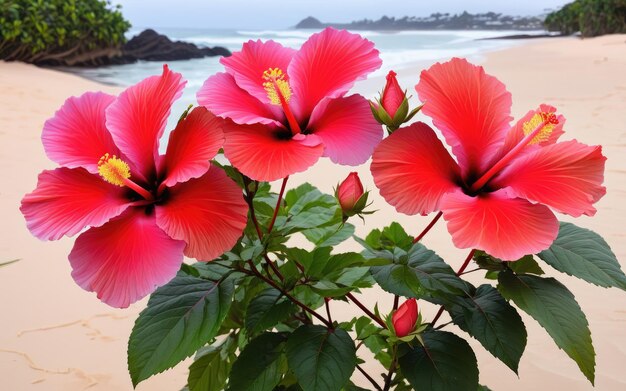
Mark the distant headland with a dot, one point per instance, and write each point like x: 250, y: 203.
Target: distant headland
x: 436, y: 21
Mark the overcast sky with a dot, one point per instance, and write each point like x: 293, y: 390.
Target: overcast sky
x: 279, y: 14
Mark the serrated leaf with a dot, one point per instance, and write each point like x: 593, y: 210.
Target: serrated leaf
x: 490, y: 319
x: 552, y: 305
x: 526, y: 265
x: 260, y: 365
x: 329, y: 236
x: 322, y: 359
x: 444, y: 362
x: 418, y: 273
x: 267, y: 309
x: 181, y: 316
x: 307, y: 208
x: 582, y: 253
x: 209, y: 372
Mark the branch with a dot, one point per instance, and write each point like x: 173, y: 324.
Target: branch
x: 367, y: 311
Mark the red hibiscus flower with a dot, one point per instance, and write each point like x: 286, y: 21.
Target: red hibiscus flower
x: 145, y: 210
x: 288, y: 108
x: 498, y: 193
x: 404, y: 318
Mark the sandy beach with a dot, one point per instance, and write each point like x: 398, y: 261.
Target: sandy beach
x: 55, y: 336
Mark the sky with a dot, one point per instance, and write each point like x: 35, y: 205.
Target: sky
x: 280, y: 14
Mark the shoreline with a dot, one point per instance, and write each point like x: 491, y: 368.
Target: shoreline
x: 58, y: 337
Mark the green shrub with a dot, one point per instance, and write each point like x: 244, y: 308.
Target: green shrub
x: 59, y: 31
x: 589, y: 17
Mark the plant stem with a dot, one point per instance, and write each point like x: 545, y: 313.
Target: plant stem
x: 368, y: 377
x: 428, y: 227
x: 250, y: 201
x: 368, y: 312
x: 280, y: 198
x: 458, y: 273
x: 396, y: 302
x: 326, y: 301
x: 290, y: 297
x: 392, y: 368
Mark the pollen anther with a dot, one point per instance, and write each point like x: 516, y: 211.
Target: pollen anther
x: 550, y: 121
x: 113, y: 169
x: 276, y: 86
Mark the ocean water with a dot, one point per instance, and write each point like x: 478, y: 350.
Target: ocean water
x: 397, y: 49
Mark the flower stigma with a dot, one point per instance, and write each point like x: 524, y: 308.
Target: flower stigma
x: 276, y: 86
x: 279, y: 93
x: 113, y: 170
x: 548, y: 119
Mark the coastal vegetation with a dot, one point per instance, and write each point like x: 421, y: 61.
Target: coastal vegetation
x: 589, y: 17
x: 436, y: 21
x: 60, y: 31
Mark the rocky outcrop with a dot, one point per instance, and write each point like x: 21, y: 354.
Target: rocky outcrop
x: 147, y: 46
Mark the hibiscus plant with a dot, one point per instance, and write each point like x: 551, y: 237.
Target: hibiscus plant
x: 252, y: 302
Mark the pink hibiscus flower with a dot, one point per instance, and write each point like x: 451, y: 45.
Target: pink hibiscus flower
x: 288, y: 108
x: 498, y: 193
x: 145, y: 210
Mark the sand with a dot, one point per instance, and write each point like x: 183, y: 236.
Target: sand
x: 55, y: 336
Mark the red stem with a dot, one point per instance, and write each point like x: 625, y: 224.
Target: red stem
x: 458, y: 273
x: 428, y: 227
x: 367, y: 311
x: 290, y: 297
x: 280, y: 198
x: 368, y: 377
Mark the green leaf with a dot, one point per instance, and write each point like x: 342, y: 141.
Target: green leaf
x: 267, y: 309
x: 322, y: 359
x: 260, y: 365
x: 418, y: 273
x: 490, y: 319
x: 307, y: 208
x: 526, y: 265
x: 556, y: 310
x: 329, y: 236
x: 390, y: 237
x: 181, y: 316
x: 582, y: 253
x: 444, y: 362
x: 210, y: 369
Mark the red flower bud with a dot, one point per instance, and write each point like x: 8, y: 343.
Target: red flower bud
x: 404, y: 318
x: 393, y: 95
x: 349, y: 192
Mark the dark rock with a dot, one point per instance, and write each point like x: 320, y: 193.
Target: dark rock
x: 310, y: 23
x: 152, y: 46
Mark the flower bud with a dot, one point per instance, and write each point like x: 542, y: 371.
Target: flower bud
x: 349, y: 192
x: 405, y: 318
x: 393, y: 96
x: 392, y: 109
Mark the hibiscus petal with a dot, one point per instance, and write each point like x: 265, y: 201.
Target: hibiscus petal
x: 266, y: 153
x: 222, y: 96
x: 67, y: 200
x: 138, y: 117
x: 507, y: 228
x: 192, y: 145
x: 248, y: 65
x: 125, y: 259
x: 470, y: 108
x: 328, y: 65
x: 566, y: 176
x: 208, y: 213
x: 77, y: 136
x: 413, y: 169
x: 347, y: 129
